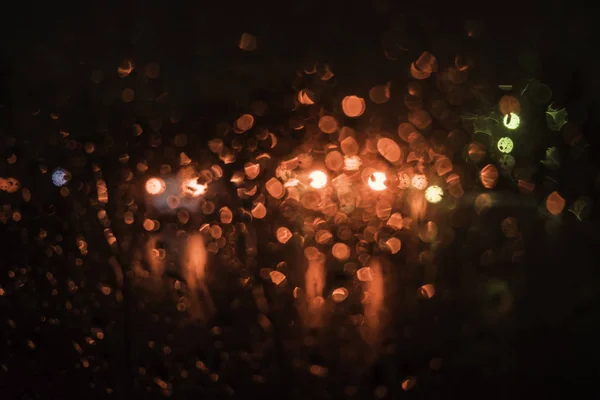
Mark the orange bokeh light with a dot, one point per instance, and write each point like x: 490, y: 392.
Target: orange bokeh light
x: 155, y: 186
x: 353, y: 106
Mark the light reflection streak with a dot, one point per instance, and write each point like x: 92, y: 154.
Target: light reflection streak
x: 373, y: 303
x: 156, y: 264
x: 194, y: 270
x: 314, y: 286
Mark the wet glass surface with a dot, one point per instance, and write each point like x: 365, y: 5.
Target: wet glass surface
x: 313, y: 200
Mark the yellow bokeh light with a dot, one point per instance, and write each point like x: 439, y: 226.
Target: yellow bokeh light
x: 434, y: 194
x: 191, y: 187
x: 512, y: 121
x: 317, y: 179
x: 155, y: 186
x: 377, y: 181
x: 505, y: 145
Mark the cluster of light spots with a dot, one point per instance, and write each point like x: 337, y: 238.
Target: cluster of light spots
x: 377, y: 181
x: 505, y: 145
x: 317, y: 179
x: 512, y: 120
x: 434, y: 194
x: 342, y: 227
x: 155, y: 186
x: 191, y: 187
x: 9, y: 185
x: 60, y: 177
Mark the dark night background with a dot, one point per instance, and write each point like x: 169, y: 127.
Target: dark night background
x: 547, y: 345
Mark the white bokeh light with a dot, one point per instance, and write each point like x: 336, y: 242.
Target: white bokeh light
x: 377, y: 181
x: 60, y: 177
x: 434, y: 194
x: 317, y: 179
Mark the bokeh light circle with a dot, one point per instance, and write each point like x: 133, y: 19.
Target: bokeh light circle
x: 434, y: 194
x: 377, y: 181
x: 317, y: 179
x: 512, y: 120
x: 505, y: 145
x: 60, y: 177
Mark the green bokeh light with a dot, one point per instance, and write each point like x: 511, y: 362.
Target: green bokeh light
x: 505, y: 145
x: 512, y: 121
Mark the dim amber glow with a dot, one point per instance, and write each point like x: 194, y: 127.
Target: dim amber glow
x: 509, y: 104
x: 380, y: 94
x: 194, y: 263
x: 489, y: 176
x: 373, y: 301
x: 328, y: 124
x: 476, y: 152
x: 155, y: 186
x: 555, y: 203
x: 244, y: 122
x: 377, y: 181
x: 317, y: 179
x: 314, y: 285
x: 389, y: 149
